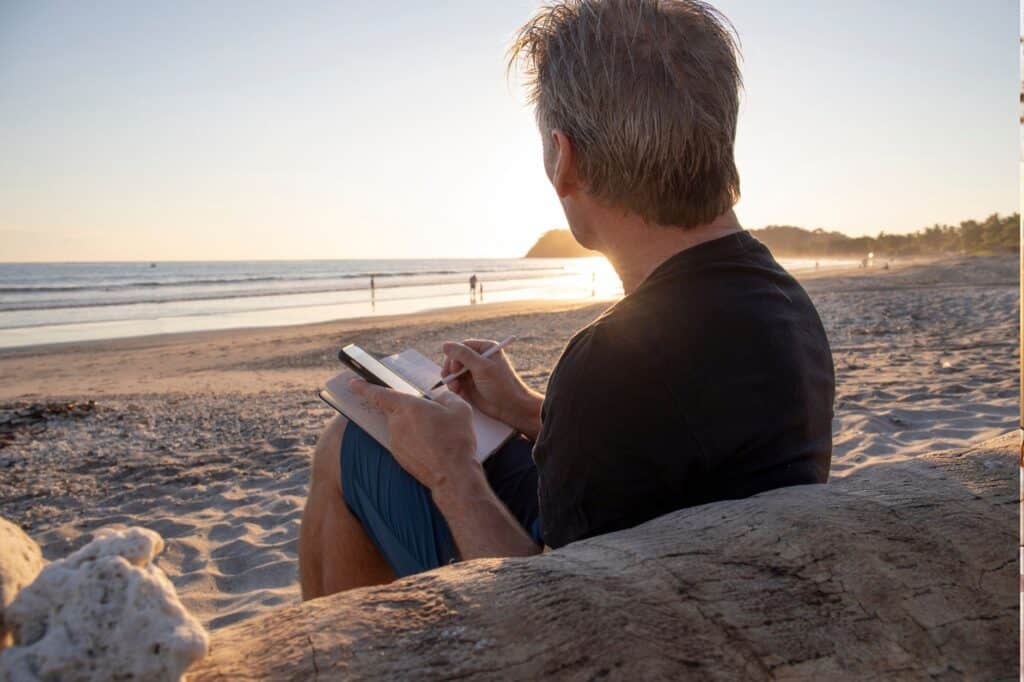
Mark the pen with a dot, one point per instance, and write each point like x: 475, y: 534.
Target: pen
x: 486, y: 354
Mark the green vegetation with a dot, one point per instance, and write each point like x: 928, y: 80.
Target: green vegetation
x: 995, y: 234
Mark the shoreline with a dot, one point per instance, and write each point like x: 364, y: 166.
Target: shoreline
x: 101, y: 367
x: 385, y: 319
x: 360, y: 322
x: 136, y: 364
x: 32, y: 328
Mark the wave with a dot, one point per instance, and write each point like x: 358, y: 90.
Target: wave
x: 59, y: 304
x: 414, y: 294
x: 186, y: 282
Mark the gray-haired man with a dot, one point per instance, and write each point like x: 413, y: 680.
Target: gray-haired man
x: 711, y: 379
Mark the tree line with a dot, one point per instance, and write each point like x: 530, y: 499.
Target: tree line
x: 994, y: 234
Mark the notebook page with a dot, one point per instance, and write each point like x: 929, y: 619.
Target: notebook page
x: 423, y: 372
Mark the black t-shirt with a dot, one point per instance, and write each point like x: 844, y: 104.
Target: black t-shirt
x: 712, y: 380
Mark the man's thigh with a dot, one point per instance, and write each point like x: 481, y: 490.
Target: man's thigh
x: 398, y: 513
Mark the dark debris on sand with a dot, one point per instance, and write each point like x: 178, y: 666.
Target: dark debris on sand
x: 33, y: 418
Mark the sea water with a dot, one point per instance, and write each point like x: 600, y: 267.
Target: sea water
x: 59, y: 302
x: 44, y: 303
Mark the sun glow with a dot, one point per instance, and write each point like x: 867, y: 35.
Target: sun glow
x: 604, y: 281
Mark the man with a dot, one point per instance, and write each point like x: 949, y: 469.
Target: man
x: 711, y: 379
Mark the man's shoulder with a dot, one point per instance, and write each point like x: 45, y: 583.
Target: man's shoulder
x: 598, y: 337
x: 607, y: 352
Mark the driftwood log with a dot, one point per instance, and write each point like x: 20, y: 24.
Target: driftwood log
x: 902, y: 570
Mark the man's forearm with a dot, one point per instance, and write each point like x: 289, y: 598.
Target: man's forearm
x: 525, y: 414
x: 479, y: 522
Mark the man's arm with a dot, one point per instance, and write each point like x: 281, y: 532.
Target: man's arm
x: 479, y: 522
x: 434, y: 442
x: 523, y: 413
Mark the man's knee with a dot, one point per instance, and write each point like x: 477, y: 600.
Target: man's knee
x: 327, y: 455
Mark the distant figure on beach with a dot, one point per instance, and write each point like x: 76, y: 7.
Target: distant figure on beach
x: 373, y: 293
x: 593, y: 284
x: 816, y: 265
x: 711, y: 379
x: 481, y: 292
x: 472, y: 288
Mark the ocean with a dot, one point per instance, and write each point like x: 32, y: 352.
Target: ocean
x: 42, y: 303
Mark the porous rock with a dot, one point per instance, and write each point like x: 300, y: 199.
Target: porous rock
x: 103, y: 613
x: 20, y: 562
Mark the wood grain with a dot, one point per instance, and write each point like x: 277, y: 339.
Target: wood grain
x: 904, y: 570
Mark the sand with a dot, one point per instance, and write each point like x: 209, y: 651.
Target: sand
x: 206, y: 437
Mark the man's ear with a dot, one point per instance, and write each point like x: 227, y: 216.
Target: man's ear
x: 561, y: 163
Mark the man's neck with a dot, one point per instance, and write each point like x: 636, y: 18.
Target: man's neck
x: 635, y: 249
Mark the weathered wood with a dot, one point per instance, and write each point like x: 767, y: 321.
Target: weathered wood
x: 903, y: 570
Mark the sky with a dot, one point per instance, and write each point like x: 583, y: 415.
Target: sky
x: 345, y: 129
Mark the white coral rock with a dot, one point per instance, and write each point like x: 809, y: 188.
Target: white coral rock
x: 103, y: 613
x: 20, y: 563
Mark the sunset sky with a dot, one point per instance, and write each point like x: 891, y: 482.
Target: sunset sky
x: 199, y: 130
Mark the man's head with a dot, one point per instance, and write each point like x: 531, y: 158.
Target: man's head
x: 637, y: 103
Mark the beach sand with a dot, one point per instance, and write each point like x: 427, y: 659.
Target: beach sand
x: 206, y: 437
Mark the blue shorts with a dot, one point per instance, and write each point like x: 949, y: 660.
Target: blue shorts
x: 399, y: 514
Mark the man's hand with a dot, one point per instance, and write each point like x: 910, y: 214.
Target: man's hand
x: 432, y: 440
x: 492, y: 385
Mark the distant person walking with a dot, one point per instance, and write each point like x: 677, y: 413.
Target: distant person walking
x: 373, y: 293
x: 472, y: 288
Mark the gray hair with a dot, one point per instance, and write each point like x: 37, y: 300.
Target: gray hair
x: 648, y: 93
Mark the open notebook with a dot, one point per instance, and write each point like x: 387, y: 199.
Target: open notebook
x: 423, y: 373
